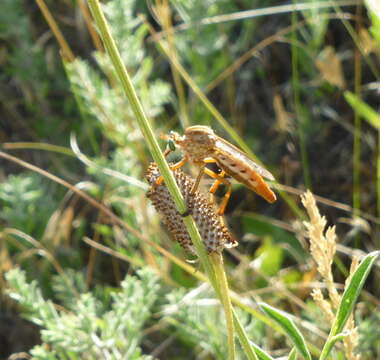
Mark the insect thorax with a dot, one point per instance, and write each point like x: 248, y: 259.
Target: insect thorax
x: 198, y: 146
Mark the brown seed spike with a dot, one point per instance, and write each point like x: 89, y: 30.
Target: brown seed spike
x: 214, y: 233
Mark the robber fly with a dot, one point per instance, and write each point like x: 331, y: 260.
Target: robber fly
x: 201, y: 145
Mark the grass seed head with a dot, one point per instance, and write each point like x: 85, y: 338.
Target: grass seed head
x: 214, y: 233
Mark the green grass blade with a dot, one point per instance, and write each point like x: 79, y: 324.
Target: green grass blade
x: 373, y: 118
x: 296, y: 88
x: 348, y: 301
x: 369, y: 114
x: 293, y: 354
x: 261, y: 354
x: 352, y: 292
x: 289, y: 327
x: 247, y: 345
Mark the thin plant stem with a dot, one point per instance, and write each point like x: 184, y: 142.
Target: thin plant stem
x: 151, y: 140
x: 254, y: 13
x: 147, y: 130
x: 66, y: 51
x: 90, y: 26
x: 378, y: 183
x: 358, y: 43
x: 357, y: 138
x: 217, y: 262
x: 38, y: 146
x: 297, y: 105
x: 244, y: 341
x: 378, y: 174
x: 164, y: 15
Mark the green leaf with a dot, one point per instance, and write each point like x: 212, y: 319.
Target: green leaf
x: 349, y: 298
x: 372, y: 117
x: 261, y: 354
x: 352, y: 292
x: 284, y: 320
x: 373, y: 8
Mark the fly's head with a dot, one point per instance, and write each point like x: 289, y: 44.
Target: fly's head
x: 173, y: 140
x: 197, y: 143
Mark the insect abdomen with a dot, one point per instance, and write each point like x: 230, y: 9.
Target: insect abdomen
x: 247, y: 176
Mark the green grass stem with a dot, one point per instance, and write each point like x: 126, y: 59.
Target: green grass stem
x: 297, y: 105
x: 38, y: 146
x: 153, y: 145
x: 224, y: 295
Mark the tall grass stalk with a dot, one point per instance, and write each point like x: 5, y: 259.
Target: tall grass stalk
x: 90, y: 26
x: 357, y: 134
x: 378, y: 174
x: 164, y: 14
x: 159, y: 158
x: 66, y: 50
x: 297, y: 104
x: 221, y: 282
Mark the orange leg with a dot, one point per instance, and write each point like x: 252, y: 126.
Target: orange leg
x: 166, y: 152
x: 198, y: 179
x: 220, y: 179
x: 175, y: 166
x: 202, y: 171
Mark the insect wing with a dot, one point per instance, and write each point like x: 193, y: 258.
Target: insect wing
x: 224, y: 147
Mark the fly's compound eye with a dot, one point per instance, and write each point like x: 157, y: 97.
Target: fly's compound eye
x: 171, y: 145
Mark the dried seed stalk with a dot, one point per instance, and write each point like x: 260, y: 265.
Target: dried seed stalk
x: 322, y: 247
x: 214, y: 233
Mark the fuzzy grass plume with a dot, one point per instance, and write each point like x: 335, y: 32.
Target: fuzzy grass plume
x: 323, y: 248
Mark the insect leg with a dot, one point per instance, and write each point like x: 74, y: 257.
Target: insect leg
x: 207, y: 160
x: 198, y: 179
x: 220, y: 179
x: 179, y: 164
x: 175, y: 166
x: 225, y: 200
x: 167, y: 152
